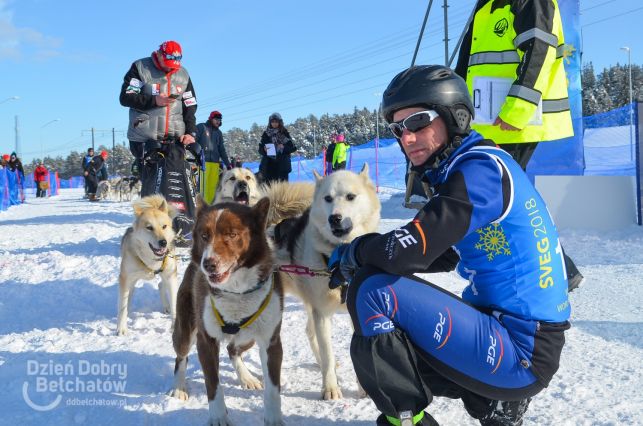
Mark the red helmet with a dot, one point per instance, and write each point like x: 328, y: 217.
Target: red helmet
x: 215, y: 114
x: 5, y: 157
x: 171, y: 54
x: 103, y: 154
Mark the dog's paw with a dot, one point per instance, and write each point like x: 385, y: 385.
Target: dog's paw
x: 121, y: 331
x: 251, y: 383
x: 332, y: 392
x: 178, y: 394
x: 273, y: 422
x: 220, y: 421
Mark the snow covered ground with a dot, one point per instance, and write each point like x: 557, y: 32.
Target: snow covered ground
x: 59, y: 260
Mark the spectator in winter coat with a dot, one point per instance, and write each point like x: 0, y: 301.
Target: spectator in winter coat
x: 340, y: 153
x: 275, y: 148
x: 41, y: 178
x: 210, y: 137
x: 329, y: 155
x: 86, y: 159
x: 15, y: 165
x: 498, y: 345
x: 95, y: 172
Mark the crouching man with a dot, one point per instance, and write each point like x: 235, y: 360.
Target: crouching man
x: 500, y: 344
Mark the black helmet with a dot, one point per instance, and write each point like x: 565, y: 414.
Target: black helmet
x: 432, y: 86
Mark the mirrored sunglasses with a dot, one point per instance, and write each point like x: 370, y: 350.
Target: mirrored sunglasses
x: 172, y: 57
x: 413, y: 123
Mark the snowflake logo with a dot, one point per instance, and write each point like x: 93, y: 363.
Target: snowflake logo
x: 568, y: 52
x: 493, y: 241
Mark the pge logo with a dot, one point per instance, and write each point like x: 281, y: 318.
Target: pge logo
x: 495, y: 351
x: 443, y: 328
x: 501, y: 27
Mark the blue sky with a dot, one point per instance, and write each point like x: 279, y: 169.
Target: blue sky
x: 66, y: 59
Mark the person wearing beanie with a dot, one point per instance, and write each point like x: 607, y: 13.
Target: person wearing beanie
x: 275, y: 148
x: 86, y: 159
x: 162, y: 103
x: 210, y: 138
x: 499, y: 344
x: 162, y: 125
x: 95, y: 172
x: 41, y: 179
x: 340, y: 153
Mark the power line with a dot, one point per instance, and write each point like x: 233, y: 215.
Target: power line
x: 612, y: 17
x: 597, y: 5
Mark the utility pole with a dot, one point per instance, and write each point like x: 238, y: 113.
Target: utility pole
x: 446, y: 33
x: 314, y: 144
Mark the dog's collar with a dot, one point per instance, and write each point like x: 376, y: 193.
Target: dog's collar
x: 229, y: 328
x: 163, y: 264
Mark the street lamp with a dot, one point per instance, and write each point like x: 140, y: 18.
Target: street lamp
x: 12, y: 98
x: 42, y: 152
x: 629, y: 61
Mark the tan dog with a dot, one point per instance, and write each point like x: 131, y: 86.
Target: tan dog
x: 228, y: 294
x: 147, y: 250
x: 345, y: 206
x: 238, y: 185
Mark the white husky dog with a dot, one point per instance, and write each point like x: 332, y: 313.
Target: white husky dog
x: 345, y: 206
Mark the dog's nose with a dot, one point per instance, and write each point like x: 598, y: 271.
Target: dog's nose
x: 163, y: 243
x: 243, y: 185
x: 210, y: 265
x: 335, y: 219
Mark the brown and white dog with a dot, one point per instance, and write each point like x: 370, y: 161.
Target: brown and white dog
x: 147, y: 250
x: 229, y: 294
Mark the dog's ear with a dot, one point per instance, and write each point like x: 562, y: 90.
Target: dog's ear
x: 364, y: 171
x: 139, y: 206
x: 171, y: 210
x: 200, y: 203
x: 261, y: 211
x: 318, y: 177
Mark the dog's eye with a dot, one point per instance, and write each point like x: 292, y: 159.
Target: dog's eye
x: 164, y: 226
x: 232, y: 235
x: 204, y: 236
x: 248, y: 178
x: 328, y: 199
x: 350, y: 197
x: 232, y: 179
x: 149, y: 227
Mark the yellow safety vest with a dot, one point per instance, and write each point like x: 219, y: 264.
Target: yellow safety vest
x: 495, y: 54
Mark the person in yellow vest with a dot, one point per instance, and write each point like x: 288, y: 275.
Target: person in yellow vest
x: 209, y: 136
x: 340, y: 153
x: 512, y: 60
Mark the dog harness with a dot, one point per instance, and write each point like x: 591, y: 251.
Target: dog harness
x: 158, y: 271
x: 229, y: 328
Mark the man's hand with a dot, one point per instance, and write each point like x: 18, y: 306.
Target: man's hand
x: 343, y: 264
x: 504, y: 125
x: 163, y: 100
x: 187, y: 139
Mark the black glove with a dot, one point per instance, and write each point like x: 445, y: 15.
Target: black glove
x: 343, y: 264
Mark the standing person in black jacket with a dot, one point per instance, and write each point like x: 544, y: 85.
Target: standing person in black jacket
x: 95, y: 171
x: 329, y: 155
x: 275, y: 148
x: 86, y: 159
x: 210, y: 138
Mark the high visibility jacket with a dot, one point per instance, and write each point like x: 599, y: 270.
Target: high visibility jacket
x: 340, y: 153
x: 521, y: 41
